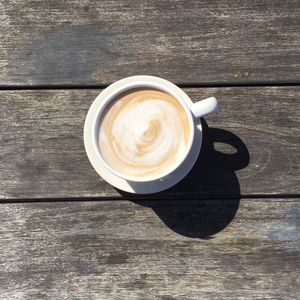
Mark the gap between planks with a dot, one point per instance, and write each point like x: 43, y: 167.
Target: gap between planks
x: 181, y: 85
x: 134, y: 197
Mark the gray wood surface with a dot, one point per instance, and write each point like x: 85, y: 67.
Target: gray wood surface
x: 98, y: 42
x: 124, y: 250
x: 251, y: 147
x: 229, y: 230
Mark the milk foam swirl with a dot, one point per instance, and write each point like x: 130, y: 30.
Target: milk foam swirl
x: 143, y: 133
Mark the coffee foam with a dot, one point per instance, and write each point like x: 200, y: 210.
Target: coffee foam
x: 143, y: 133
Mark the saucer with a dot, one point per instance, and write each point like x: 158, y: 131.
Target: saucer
x: 137, y: 187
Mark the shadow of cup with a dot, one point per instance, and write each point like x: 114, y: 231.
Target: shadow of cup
x: 207, y: 199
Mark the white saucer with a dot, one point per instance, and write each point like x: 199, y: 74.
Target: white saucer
x: 137, y: 187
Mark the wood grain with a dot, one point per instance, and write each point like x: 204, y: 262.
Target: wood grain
x: 124, y: 250
x: 98, y: 42
x: 251, y: 147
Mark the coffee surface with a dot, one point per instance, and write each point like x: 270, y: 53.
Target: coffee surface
x: 143, y: 133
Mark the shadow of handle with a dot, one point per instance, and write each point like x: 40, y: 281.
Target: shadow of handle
x: 219, y: 142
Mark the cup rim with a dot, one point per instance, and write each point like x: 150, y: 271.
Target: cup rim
x: 142, y: 81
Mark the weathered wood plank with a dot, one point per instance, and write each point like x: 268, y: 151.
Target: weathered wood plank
x: 251, y: 146
x: 96, y: 42
x: 123, y: 250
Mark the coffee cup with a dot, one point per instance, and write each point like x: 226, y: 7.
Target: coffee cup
x: 155, y: 115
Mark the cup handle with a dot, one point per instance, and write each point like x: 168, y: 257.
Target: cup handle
x: 205, y: 107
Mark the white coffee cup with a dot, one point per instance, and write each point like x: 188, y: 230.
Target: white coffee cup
x: 193, y: 112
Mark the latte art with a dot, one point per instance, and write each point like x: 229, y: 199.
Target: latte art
x: 143, y: 133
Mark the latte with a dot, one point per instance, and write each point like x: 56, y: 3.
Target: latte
x: 143, y: 133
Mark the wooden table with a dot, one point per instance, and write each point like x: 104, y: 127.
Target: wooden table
x: 229, y: 230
